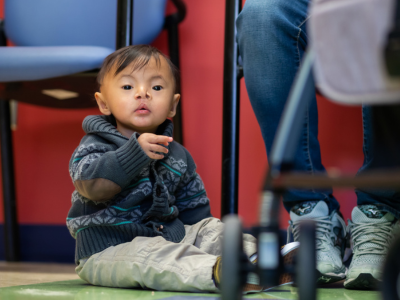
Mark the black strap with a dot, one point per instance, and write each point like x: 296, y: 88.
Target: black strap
x: 397, y: 16
x: 392, y: 49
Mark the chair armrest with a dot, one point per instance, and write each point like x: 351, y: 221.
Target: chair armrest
x: 178, y: 16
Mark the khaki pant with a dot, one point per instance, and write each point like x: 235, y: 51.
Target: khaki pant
x: 158, y: 264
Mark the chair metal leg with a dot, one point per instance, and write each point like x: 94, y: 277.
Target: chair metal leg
x: 171, y: 24
x: 231, y: 105
x: 173, y: 47
x: 124, y: 23
x: 11, y: 233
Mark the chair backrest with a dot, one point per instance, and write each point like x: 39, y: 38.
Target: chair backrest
x: 78, y: 22
x: 348, y: 39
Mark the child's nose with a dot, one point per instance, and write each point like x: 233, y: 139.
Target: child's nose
x: 142, y: 93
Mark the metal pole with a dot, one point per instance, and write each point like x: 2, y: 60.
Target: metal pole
x: 171, y: 24
x: 11, y: 230
x: 173, y: 47
x: 230, y: 139
x: 7, y: 166
x: 124, y: 23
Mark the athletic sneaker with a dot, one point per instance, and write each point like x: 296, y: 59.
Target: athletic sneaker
x: 288, y: 252
x: 330, y: 238
x: 371, y: 231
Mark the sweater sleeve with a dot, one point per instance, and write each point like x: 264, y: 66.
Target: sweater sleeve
x: 99, y: 171
x: 191, y: 196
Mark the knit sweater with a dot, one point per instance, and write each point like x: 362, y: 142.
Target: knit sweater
x: 121, y: 193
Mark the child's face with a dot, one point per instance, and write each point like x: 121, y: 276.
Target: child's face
x: 141, y: 100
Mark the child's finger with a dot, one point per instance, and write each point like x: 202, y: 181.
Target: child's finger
x: 158, y: 148
x: 155, y: 155
x: 160, y: 139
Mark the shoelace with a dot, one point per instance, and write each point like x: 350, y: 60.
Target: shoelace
x: 361, y: 234
x: 322, y: 231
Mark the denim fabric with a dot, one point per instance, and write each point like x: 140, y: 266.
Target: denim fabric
x: 374, y: 149
x: 272, y: 38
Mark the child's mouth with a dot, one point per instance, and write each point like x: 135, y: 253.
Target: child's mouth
x: 142, y: 109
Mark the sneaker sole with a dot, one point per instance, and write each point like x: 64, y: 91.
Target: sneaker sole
x: 326, y: 278
x: 364, y: 281
x: 251, y: 289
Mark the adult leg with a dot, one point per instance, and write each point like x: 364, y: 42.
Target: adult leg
x: 381, y: 149
x: 272, y: 39
x: 374, y: 220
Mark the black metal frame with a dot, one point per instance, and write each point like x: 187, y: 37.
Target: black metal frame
x: 12, y: 90
x: 11, y: 232
x: 124, y: 23
x: 231, y: 106
x: 171, y: 25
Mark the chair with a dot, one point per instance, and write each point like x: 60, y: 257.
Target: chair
x: 59, y: 47
x: 364, y: 76
x: 353, y: 58
x: 385, y: 88
x: 359, y: 65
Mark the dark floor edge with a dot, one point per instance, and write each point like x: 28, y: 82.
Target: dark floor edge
x: 50, y: 243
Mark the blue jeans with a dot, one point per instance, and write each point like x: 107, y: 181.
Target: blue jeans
x: 272, y: 39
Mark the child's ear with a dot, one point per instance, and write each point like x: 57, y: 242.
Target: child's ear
x: 174, y: 105
x: 102, y: 104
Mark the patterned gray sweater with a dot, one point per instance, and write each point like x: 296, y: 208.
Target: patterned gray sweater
x: 121, y: 193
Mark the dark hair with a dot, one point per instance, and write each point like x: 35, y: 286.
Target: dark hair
x: 140, y: 55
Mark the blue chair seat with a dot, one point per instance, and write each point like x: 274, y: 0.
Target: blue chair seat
x: 34, y: 63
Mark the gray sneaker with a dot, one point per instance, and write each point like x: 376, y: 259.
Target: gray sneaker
x: 330, y: 235
x: 371, y: 232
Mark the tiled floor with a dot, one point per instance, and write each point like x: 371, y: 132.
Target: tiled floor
x: 28, y: 281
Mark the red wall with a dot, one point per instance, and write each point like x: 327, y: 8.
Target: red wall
x: 46, y: 138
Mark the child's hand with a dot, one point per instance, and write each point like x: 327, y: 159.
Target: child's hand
x: 151, y: 143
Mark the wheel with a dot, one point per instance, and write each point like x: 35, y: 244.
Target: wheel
x: 232, y: 249
x: 306, y: 276
x: 391, y: 273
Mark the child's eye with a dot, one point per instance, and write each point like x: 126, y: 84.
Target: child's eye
x: 127, y: 87
x: 157, y: 88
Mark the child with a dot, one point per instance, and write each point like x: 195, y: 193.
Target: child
x: 140, y: 214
